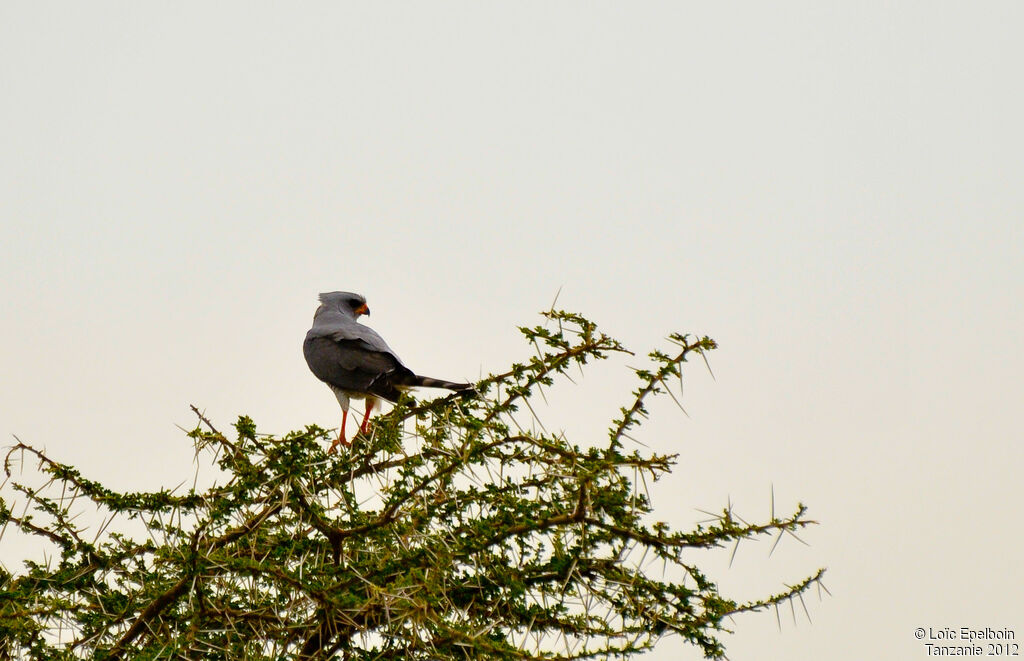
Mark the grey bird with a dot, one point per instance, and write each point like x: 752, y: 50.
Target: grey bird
x: 356, y: 362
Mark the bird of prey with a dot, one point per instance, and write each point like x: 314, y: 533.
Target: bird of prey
x: 356, y: 362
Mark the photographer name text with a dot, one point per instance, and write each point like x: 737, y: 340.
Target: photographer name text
x: 968, y: 641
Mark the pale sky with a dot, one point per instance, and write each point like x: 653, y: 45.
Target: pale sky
x: 833, y: 191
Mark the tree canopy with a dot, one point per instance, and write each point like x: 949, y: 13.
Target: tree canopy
x: 454, y: 530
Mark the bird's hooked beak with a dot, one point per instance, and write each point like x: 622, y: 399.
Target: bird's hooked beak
x: 362, y: 309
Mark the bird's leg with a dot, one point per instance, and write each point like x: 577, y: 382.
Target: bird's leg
x: 370, y: 401
x: 341, y: 434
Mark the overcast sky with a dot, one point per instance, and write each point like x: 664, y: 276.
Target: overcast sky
x: 833, y: 191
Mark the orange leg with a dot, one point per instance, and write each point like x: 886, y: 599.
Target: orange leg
x: 369, y: 407
x: 341, y: 434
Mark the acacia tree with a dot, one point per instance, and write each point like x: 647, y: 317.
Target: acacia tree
x: 451, y: 532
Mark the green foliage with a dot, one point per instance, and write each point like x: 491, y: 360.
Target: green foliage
x: 451, y: 532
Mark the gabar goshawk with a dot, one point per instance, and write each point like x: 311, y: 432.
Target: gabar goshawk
x: 356, y: 362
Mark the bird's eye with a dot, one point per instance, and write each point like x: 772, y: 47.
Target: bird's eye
x: 355, y: 303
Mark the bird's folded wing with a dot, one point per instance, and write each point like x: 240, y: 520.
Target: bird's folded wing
x: 341, y: 329
x: 350, y: 364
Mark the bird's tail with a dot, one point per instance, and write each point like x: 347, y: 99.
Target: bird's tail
x: 427, y: 382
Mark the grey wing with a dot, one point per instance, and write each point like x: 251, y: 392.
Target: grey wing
x: 343, y: 330
x: 354, y: 365
x: 365, y: 337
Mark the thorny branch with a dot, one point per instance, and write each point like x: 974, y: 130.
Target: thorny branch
x: 449, y: 532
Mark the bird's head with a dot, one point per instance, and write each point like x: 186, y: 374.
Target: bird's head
x: 349, y: 304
